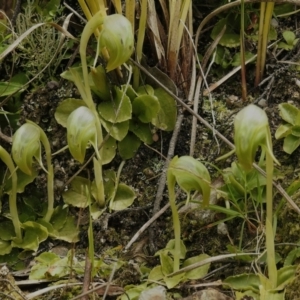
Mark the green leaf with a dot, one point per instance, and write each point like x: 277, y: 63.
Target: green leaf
x: 145, y: 107
x: 145, y: 90
x: 59, y: 217
x: 108, y: 150
x: 166, y: 263
x: 282, y: 45
x: 162, y: 78
x: 199, y: 272
x: 141, y: 130
x: 171, y: 247
x: 283, y: 130
x: 291, y: 143
x: 5, y: 247
x: 130, y: 92
x: 44, y: 263
x: 109, y: 179
x: 223, y: 57
x: 171, y: 282
x: 156, y: 274
x: 167, y: 115
x: 129, y: 146
x: 118, y: 110
x: 70, y: 74
x: 69, y: 232
x: 9, y: 88
x: 65, y: 108
x: 243, y: 282
x: 76, y: 194
x: 296, y: 130
x: 289, y: 37
x: 236, y: 60
x: 229, y: 38
x: 124, y: 197
x: 291, y: 257
x: 34, y: 234
x: 118, y: 130
x: 289, y: 113
x: 23, y: 181
x: 47, y: 258
x: 285, y: 275
x: 7, y: 231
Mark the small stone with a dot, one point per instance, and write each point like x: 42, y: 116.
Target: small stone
x: 222, y: 229
x: 262, y: 103
x: 156, y: 293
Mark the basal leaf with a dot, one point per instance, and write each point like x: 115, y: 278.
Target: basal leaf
x: 128, y: 146
x: 145, y: 90
x: 289, y: 37
x: 109, y: 180
x: 229, y: 38
x: 199, y: 272
x: 118, y: 130
x: 141, y: 130
x: 283, y: 130
x: 124, y: 197
x: 145, y: 107
x: 65, y: 108
x: 118, y: 110
x: 108, y: 150
x: 296, y: 131
x: 289, y: 113
x: 291, y: 143
x: 243, y: 282
x: 5, y: 247
x: 34, y: 235
x: 167, y: 115
x: 69, y: 232
x: 76, y: 194
x: 7, y: 231
x: 9, y: 88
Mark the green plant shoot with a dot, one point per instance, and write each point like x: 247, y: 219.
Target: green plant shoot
x: 251, y: 130
x: 191, y: 175
x: 26, y: 146
x: 5, y: 157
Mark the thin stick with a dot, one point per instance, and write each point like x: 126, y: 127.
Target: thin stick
x: 145, y: 226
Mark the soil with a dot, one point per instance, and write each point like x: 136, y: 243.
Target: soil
x: 200, y: 234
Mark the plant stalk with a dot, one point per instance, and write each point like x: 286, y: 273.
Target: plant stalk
x: 176, y: 223
x: 6, y: 158
x: 271, y: 262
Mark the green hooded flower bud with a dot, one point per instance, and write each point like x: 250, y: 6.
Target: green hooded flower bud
x: 116, y: 40
x: 191, y: 175
x: 251, y: 130
x: 82, y: 128
x: 26, y: 145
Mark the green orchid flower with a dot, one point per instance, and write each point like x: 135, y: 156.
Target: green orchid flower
x: 83, y: 128
x: 252, y: 130
x: 116, y: 40
x: 26, y: 146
